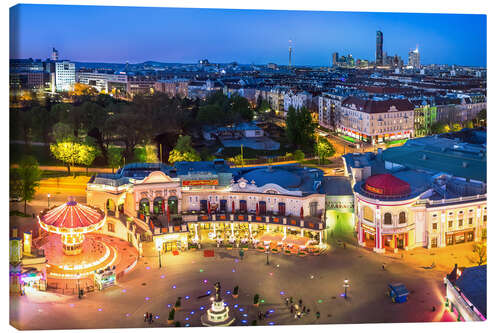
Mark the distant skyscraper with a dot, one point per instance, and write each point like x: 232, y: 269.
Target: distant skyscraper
x: 379, y: 61
x: 290, y: 54
x: 55, y: 55
x: 335, y: 58
x: 414, y: 58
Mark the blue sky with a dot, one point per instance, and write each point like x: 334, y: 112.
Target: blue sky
x: 135, y: 34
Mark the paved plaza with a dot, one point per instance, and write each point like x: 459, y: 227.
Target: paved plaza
x: 317, y: 280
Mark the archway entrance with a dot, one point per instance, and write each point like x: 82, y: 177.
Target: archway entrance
x: 159, y: 206
x: 144, y: 206
x: 172, y: 205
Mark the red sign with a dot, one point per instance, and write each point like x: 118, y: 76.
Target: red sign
x: 374, y: 189
x: 200, y: 182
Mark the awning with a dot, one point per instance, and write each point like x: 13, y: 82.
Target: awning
x: 299, y: 241
x: 268, y: 237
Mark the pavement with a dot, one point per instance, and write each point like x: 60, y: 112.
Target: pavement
x: 317, y: 280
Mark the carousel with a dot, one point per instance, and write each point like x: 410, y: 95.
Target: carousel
x: 70, y: 254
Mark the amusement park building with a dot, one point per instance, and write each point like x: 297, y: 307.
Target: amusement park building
x: 430, y: 192
x: 171, y: 204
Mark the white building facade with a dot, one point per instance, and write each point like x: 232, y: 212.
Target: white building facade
x: 65, y: 75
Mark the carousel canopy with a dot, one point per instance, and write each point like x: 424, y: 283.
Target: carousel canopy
x: 72, y: 215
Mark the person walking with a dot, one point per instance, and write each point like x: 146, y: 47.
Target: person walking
x: 300, y: 302
x: 150, y: 317
x: 383, y: 266
x: 291, y: 300
x: 291, y: 308
x: 318, y: 315
x: 287, y: 300
x: 146, y: 316
x: 304, y: 308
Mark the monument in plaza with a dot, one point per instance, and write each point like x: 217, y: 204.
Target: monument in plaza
x: 218, y: 313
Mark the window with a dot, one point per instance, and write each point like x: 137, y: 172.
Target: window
x: 460, y: 222
x: 387, y: 218
x: 450, y: 224
x: 434, y: 226
x: 402, y: 218
x: 470, y: 220
x: 111, y: 227
x: 368, y: 213
x: 484, y: 218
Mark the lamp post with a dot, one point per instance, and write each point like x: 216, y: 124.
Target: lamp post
x: 346, y: 285
x: 159, y: 255
x: 78, y: 285
x: 267, y: 255
x: 48, y: 200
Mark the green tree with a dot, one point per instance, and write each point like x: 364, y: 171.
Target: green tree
x: 25, y: 179
x: 479, y: 250
x: 70, y: 151
x: 324, y: 149
x: 300, y: 128
x: 183, y: 151
x: 298, y: 155
x: 481, y: 117
x: 114, y: 158
x: 456, y: 127
x: 61, y: 131
x: 86, y: 155
x: 440, y: 127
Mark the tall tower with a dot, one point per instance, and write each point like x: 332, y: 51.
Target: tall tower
x: 335, y: 59
x: 55, y: 55
x: 290, y: 54
x: 414, y: 58
x: 379, y: 55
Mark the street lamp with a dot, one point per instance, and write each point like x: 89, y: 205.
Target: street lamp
x: 346, y: 285
x: 267, y: 255
x: 48, y: 200
x: 159, y: 254
x: 78, y: 285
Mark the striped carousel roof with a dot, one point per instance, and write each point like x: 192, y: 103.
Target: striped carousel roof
x: 72, y: 215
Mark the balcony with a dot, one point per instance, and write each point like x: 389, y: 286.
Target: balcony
x: 309, y: 222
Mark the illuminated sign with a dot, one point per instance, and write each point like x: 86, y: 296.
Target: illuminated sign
x: 200, y: 182
x: 374, y: 189
x: 15, y: 250
x: 340, y: 203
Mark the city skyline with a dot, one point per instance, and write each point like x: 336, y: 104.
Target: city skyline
x: 452, y: 39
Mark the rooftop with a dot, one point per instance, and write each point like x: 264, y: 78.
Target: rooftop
x: 472, y: 283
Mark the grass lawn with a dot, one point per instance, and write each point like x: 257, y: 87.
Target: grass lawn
x: 348, y: 138
x: 395, y: 142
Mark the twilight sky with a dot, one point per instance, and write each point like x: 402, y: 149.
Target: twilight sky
x: 135, y: 34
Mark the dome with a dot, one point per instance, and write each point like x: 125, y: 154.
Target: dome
x: 387, y: 184
x: 71, y: 215
x: 278, y: 176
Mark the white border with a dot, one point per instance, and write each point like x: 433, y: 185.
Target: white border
x: 421, y: 6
